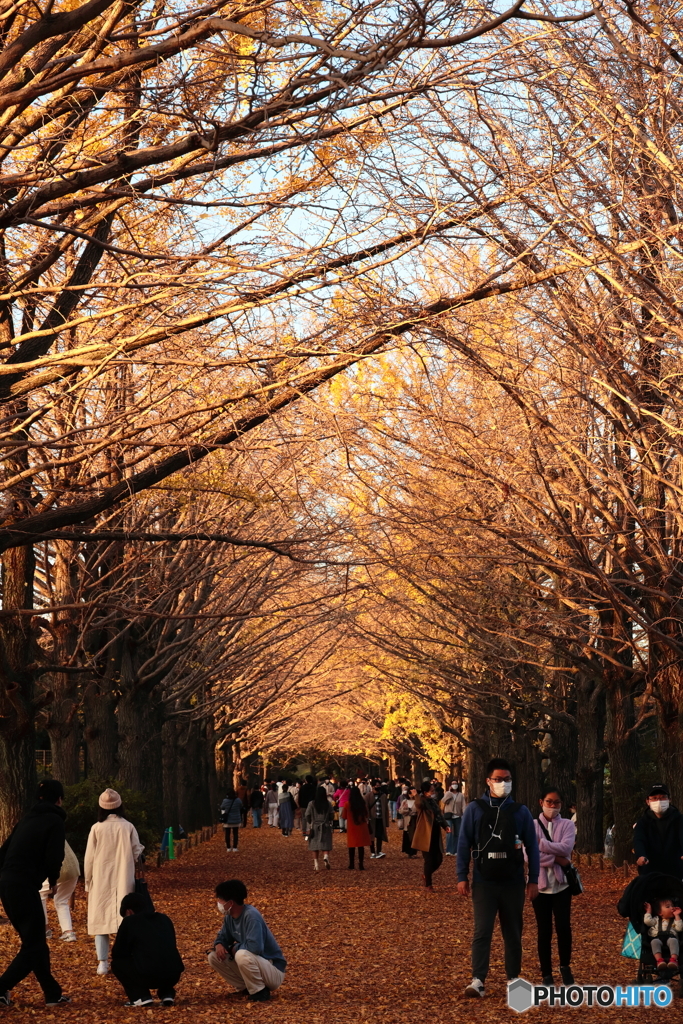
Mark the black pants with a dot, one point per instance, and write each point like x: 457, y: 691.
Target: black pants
x: 405, y: 844
x: 377, y: 840
x: 24, y: 909
x: 235, y: 835
x: 559, y: 906
x: 361, y: 856
x: 138, y: 984
x: 506, y: 900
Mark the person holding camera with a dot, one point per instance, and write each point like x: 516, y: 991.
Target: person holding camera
x: 245, y: 952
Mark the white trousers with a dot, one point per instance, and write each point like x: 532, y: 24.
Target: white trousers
x: 248, y: 971
x: 62, y: 901
x: 273, y: 814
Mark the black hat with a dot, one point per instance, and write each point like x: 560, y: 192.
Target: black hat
x: 659, y: 789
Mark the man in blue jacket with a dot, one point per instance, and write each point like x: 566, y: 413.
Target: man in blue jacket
x: 245, y: 952
x: 492, y: 833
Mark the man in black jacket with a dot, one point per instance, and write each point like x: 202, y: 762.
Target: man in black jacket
x: 658, y: 835
x: 33, y: 852
x: 145, y: 954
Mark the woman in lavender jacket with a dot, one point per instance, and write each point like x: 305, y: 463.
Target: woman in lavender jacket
x: 556, y: 837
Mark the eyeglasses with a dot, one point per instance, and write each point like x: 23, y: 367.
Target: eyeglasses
x: 501, y: 778
x: 552, y: 803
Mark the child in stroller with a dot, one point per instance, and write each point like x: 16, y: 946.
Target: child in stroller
x: 656, y: 890
x: 663, y: 928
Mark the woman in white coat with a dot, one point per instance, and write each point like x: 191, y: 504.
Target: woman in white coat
x: 109, y: 868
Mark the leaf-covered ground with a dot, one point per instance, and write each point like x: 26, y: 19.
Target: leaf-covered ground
x: 360, y: 947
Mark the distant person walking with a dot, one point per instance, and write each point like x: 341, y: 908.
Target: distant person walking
x: 33, y: 851
x: 427, y: 836
x: 453, y: 807
x: 357, y: 834
x: 307, y: 792
x: 407, y: 811
x: 112, y: 852
x: 320, y: 820
x: 286, y: 810
x: 341, y: 797
x: 378, y: 820
x: 272, y: 805
x: 256, y: 801
x: 231, y: 818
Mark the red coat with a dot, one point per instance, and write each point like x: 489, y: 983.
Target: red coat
x: 356, y: 835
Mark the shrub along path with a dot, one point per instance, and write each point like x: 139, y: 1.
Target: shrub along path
x: 371, y: 947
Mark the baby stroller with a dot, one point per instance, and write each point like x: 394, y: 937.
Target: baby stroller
x: 647, y: 889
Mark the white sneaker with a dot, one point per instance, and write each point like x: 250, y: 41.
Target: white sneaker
x: 48, y: 933
x: 68, y: 937
x: 103, y: 967
x: 475, y: 989
x: 234, y: 849
x: 378, y: 855
x: 372, y: 856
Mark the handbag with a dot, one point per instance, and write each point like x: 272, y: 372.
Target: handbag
x: 571, y: 873
x: 142, y: 888
x: 632, y: 943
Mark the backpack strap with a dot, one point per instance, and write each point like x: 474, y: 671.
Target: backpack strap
x: 544, y: 829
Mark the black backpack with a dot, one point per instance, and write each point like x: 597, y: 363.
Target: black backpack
x: 498, y: 856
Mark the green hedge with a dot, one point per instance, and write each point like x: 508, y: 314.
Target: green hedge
x: 81, y: 806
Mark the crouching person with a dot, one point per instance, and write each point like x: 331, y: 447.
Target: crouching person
x: 245, y: 952
x: 145, y: 955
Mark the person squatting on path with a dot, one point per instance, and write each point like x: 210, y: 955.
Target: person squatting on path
x: 357, y: 834
x: 231, y: 818
x: 112, y: 852
x: 319, y: 821
x: 145, y: 954
x: 245, y: 952
x: 556, y: 837
x: 427, y: 834
x: 63, y: 891
x: 494, y: 829
x: 664, y: 928
x: 33, y: 851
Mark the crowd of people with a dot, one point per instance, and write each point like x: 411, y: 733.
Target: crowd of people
x: 504, y: 854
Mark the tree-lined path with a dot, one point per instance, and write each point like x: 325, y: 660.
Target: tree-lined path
x: 370, y: 947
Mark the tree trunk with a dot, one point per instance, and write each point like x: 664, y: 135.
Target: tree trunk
x: 65, y: 743
x: 101, y: 732
x: 169, y: 744
x: 17, y: 690
x: 140, y: 721
x: 590, y: 766
x: 622, y: 750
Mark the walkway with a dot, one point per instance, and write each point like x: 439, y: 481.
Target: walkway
x: 365, y: 948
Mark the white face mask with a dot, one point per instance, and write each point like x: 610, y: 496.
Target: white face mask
x: 221, y: 907
x: 454, y: 789
x: 551, y: 812
x: 659, y: 806
x: 500, y: 788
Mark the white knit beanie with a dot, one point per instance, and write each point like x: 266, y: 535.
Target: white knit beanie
x: 110, y: 800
